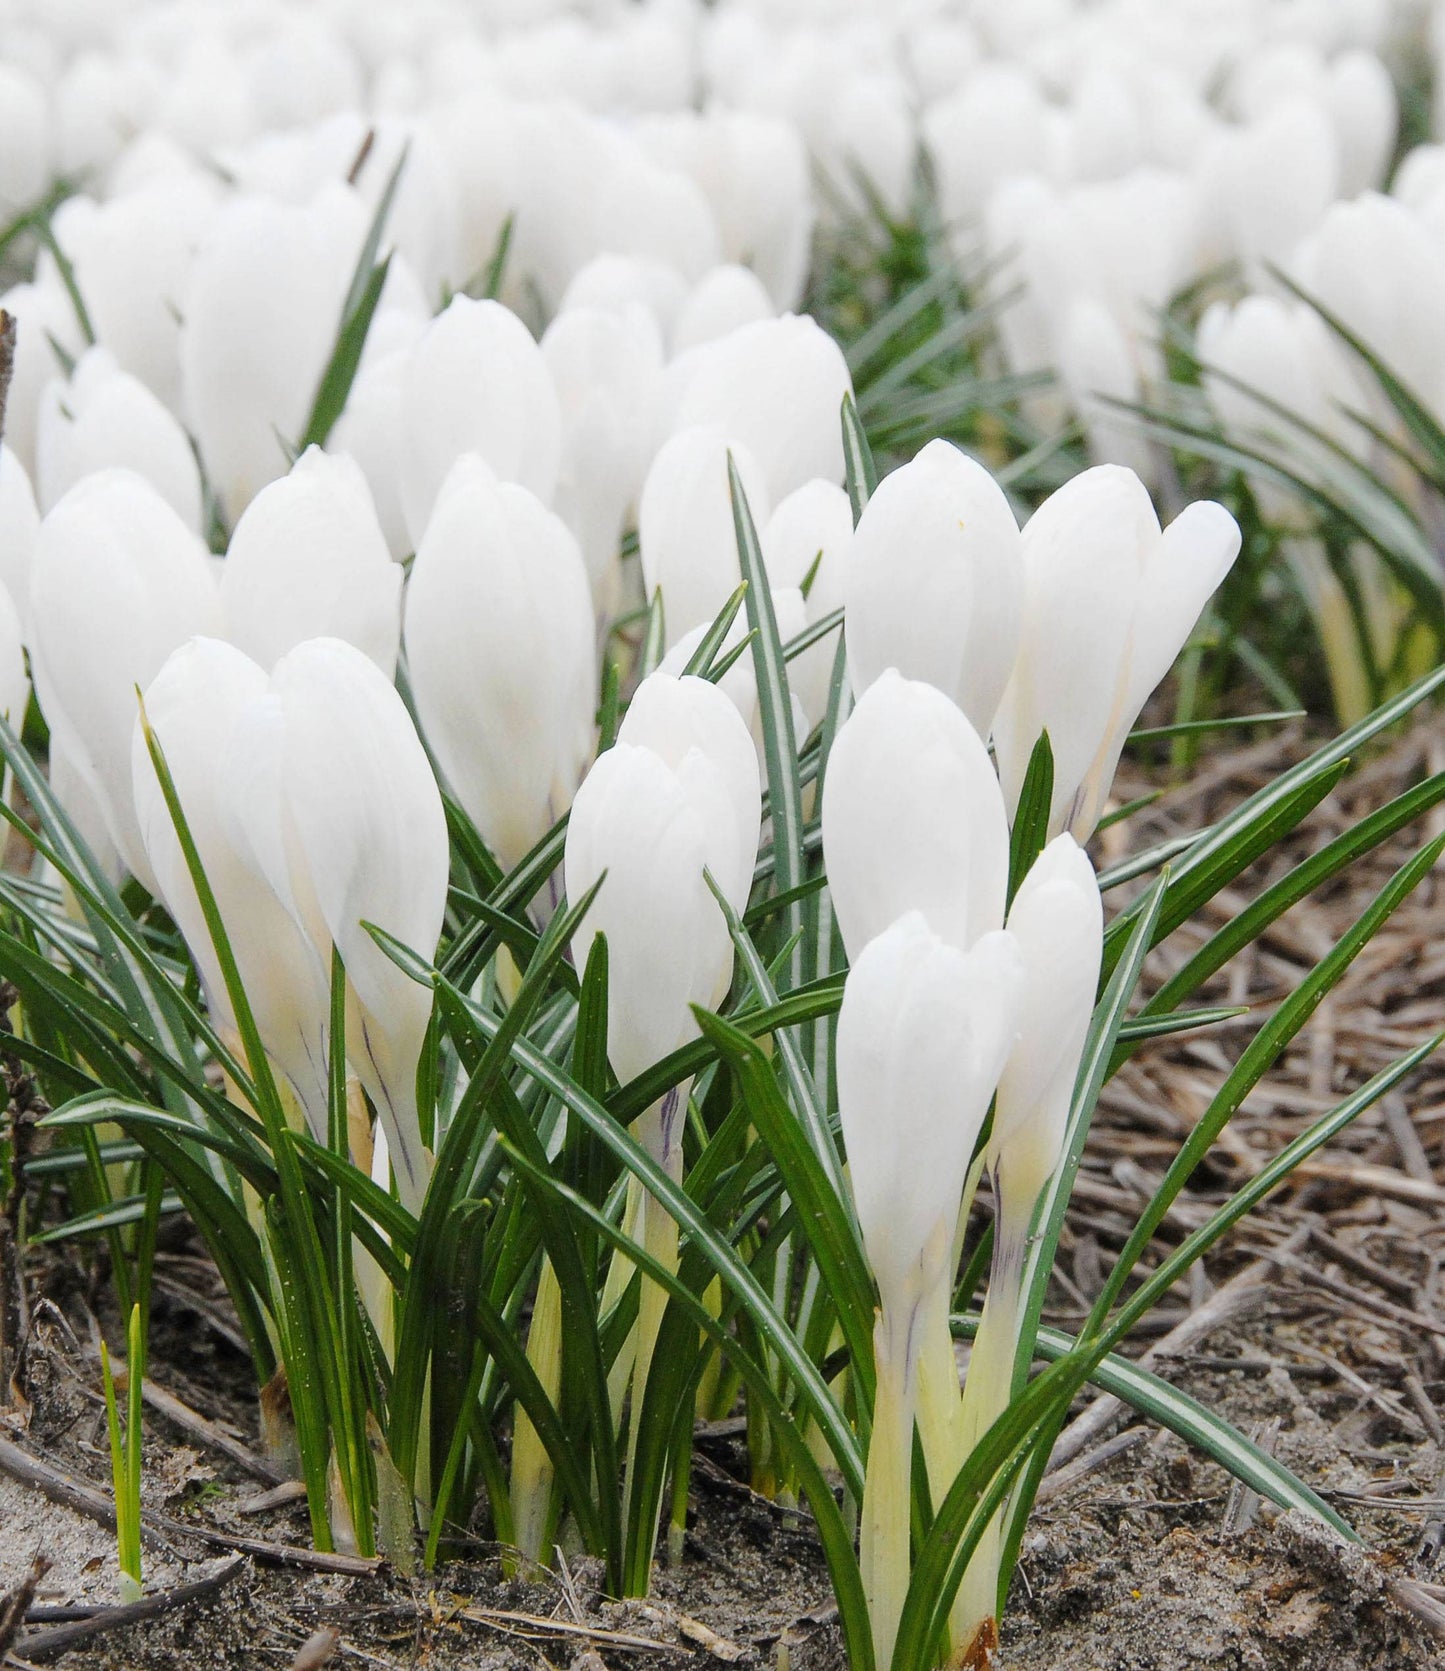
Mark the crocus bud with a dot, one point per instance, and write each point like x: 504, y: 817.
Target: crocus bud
x: 726, y: 300
x: 369, y: 430
x: 1366, y: 110
x: 934, y: 582
x: 618, y: 283
x: 1378, y: 267
x: 25, y: 141
x: 1285, y: 352
x: 1270, y: 182
x: 754, y: 171
x: 19, y: 525
x: 607, y: 371
x: 677, y: 794
x: 342, y: 814
x: 133, y: 256
x: 477, y: 383
x: 992, y: 129
x: 1057, y: 922
x: 261, y: 313
x: 1109, y: 601
x: 77, y: 796
x: 500, y: 646
x: 685, y: 526
x: 913, y: 818
x: 308, y: 560
x: 806, y: 542
x: 119, y: 582
x: 103, y: 416
x: 778, y: 387
x: 193, y: 705
x: 1097, y: 366
x: 923, y: 1034
x: 740, y: 682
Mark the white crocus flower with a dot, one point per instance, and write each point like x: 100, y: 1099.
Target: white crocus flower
x: 308, y: 560
x: 1109, y: 602
x: 500, y: 651
x: 934, y: 582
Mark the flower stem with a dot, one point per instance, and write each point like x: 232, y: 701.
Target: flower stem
x: 986, y: 1395
x: 883, y: 1539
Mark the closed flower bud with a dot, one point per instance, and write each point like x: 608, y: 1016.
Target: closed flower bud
x: 685, y: 526
x: 806, y: 542
x: 1285, y: 352
x: 1057, y: 922
x: 261, y: 313
x: 607, y: 371
x: 500, y: 638
x: 1109, y: 602
x: 1378, y: 267
x: 934, y: 582
x: 25, y: 141
x: 923, y: 1034
x: 676, y: 795
x: 103, y: 417
x: 726, y: 300
x: 193, y: 706
x: 913, y: 818
x: 340, y: 809
x: 618, y: 283
x: 133, y: 256
x: 740, y: 682
x: 369, y: 430
x: 777, y: 386
x: 308, y: 560
x: 119, y: 582
x: 477, y: 383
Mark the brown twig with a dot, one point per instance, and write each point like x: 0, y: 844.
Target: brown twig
x: 16, y: 1605
x: 65, y: 1489
x: 530, y: 1624
x: 156, y: 1529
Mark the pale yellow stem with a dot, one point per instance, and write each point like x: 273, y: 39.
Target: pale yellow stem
x: 532, y: 1471
x: 884, y: 1525
x: 987, y: 1391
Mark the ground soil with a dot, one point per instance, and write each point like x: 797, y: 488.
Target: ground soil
x: 1327, y: 1345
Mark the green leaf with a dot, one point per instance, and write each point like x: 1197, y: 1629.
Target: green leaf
x: 334, y: 389
x: 836, y: 1540
x: 1030, y: 831
x: 860, y: 471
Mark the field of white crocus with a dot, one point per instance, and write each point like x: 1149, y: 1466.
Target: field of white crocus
x: 647, y: 649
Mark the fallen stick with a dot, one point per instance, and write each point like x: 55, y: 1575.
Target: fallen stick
x: 1065, y: 1479
x: 156, y: 1529
x: 66, y: 1490
x: 210, y: 1433
x: 117, y: 1618
x: 522, y: 1624
x: 269, y: 1554
x: 14, y: 1607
